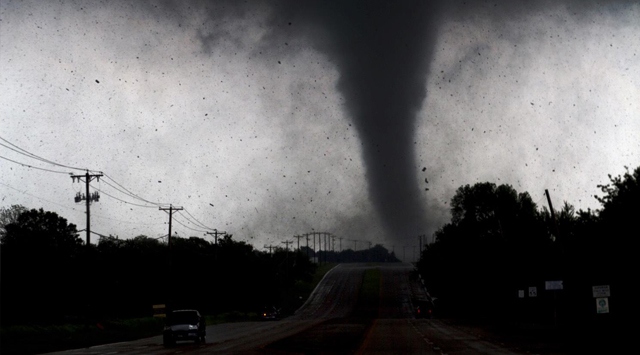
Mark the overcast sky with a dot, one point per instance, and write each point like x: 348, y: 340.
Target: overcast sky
x: 269, y: 119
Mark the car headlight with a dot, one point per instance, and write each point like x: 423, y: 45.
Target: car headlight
x: 191, y: 327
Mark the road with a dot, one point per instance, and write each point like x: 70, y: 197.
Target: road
x: 332, y: 322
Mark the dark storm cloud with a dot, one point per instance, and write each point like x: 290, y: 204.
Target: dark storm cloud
x: 382, y: 51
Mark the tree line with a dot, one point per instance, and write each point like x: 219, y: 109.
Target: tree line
x: 503, y: 257
x: 49, y: 275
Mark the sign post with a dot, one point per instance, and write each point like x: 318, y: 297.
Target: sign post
x: 602, y: 293
x: 554, y: 286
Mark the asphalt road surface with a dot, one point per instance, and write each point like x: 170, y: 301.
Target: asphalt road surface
x: 333, y: 322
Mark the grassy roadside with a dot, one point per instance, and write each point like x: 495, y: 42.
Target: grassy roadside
x: 37, y: 339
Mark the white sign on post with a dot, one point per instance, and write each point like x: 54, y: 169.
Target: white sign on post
x: 602, y: 305
x: 553, y: 285
x: 533, y: 291
x: 601, y: 291
x: 520, y: 293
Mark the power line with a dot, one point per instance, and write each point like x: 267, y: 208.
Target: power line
x: 34, y: 156
x: 127, y: 202
x: 190, y: 221
x: 31, y: 155
x: 123, y: 192
x: 75, y: 209
x: 175, y: 209
x: 39, y: 198
x: 200, y: 223
x: 193, y: 229
x: 24, y: 152
x: 35, y: 167
x: 132, y: 194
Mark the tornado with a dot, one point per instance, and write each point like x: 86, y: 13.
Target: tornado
x: 382, y: 50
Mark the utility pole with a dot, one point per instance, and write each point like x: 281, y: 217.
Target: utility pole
x: 320, y: 247
x: 171, y: 209
x: 307, y: 238
x: 215, y: 235
x: 171, y: 291
x: 298, y: 237
x: 215, y: 238
x: 88, y: 197
x: 269, y: 247
x: 287, y: 242
x: 340, y: 243
x: 326, y: 249
x: 553, y: 214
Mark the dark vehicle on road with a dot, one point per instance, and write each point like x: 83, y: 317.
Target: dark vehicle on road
x: 424, y: 309
x: 184, y: 324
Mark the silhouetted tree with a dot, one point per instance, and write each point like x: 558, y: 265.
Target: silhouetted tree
x: 130, y: 275
x: 494, y: 240
x: 618, y: 235
x: 39, y: 279
x: 9, y: 215
x: 497, y: 242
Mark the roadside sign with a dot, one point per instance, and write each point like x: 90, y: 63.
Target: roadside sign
x: 533, y: 291
x: 520, y: 293
x: 602, y: 305
x: 601, y: 291
x: 553, y: 285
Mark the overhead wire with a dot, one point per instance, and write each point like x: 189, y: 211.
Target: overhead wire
x: 131, y: 193
x: 188, y: 219
x: 121, y: 188
x: 37, y: 157
x: 182, y: 224
x: 25, y: 153
x: 96, y: 215
x: 35, y: 167
x: 127, y: 202
x: 198, y: 222
x: 39, y: 198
